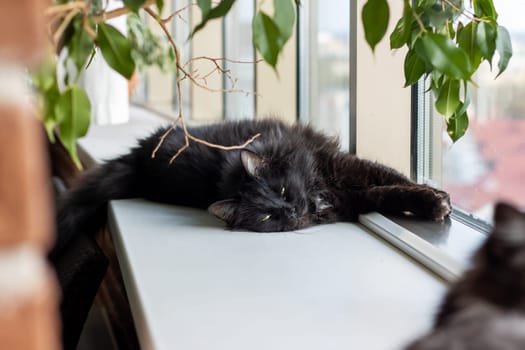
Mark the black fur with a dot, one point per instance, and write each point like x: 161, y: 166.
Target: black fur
x: 485, y: 308
x: 289, y: 178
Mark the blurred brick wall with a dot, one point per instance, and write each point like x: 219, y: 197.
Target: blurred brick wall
x: 28, y: 291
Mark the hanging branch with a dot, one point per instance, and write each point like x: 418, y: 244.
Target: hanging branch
x: 79, y: 27
x: 180, y: 119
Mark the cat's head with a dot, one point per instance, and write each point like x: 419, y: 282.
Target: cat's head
x: 276, y: 194
x: 503, y: 254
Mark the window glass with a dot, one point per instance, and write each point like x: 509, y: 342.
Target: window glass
x: 325, y: 66
x: 239, y: 47
x: 488, y: 163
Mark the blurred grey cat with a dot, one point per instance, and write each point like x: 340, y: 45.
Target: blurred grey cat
x: 485, y: 308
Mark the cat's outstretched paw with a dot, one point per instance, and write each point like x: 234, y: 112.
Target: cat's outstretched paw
x: 438, y: 205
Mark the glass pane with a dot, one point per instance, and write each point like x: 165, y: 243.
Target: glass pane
x: 238, y: 46
x: 325, y: 66
x: 488, y: 163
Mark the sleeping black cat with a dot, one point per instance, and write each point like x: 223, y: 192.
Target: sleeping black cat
x: 485, y: 308
x: 289, y: 178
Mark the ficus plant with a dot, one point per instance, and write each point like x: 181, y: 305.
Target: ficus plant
x: 446, y: 42
x: 79, y: 30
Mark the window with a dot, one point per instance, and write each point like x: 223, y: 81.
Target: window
x: 488, y: 163
x: 313, y: 71
x: 324, y: 94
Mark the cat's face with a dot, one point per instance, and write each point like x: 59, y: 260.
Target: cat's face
x: 273, y: 197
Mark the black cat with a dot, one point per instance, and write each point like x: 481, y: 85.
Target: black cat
x: 485, y: 308
x: 289, y: 178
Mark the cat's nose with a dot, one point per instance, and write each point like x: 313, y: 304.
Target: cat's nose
x: 293, y: 213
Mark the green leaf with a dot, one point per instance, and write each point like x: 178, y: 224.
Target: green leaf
x: 81, y: 45
x: 425, y: 3
x: 160, y: 5
x: 436, y: 81
x: 134, y: 5
x: 447, y: 101
x: 284, y: 18
x: 375, y: 16
x: 44, y: 76
x: 464, y: 105
x: 444, y: 55
x: 266, y: 37
x: 205, y: 6
x: 455, y: 6
x: 467, y: 41
x: 485, y: 8
x: 401, y: 32
x: 457, y: 126
x: 504, y: 48
x: 437, y: 16
x: 73, y: 111
x: 415, y: 67
x: 50, y: 97
x: 486, y: 39
x: 218, y: 11
x: 116, y: 50
x: 450, y: 29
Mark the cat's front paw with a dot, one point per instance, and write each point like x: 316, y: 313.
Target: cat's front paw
x: 437, y: 205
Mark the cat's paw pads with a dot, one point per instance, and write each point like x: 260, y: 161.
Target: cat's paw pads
x: 441, y: 207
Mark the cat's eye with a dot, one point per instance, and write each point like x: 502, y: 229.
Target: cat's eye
x: 283, y: 192
x: 266, y: 218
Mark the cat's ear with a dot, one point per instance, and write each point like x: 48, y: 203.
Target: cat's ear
x: 509, y: 224
x: 252, y: 162
x: 223, y: 210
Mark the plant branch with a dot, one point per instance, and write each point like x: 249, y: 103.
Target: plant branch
x: 52, y: 10
x: 419, y: 21
x: 218, y: 68
x: 180, y: 118
x: 65, y: 22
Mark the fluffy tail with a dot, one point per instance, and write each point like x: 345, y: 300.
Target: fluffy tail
x: 83, y: 209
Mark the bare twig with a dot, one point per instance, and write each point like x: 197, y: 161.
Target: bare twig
x: 218, y: 68
x: 118, y: 12
x: 65, y: 22
x: 225, y: 148
x: 177, y: 13
x: 161, y: 140
x: 52, y: 10
x: 180, y: 118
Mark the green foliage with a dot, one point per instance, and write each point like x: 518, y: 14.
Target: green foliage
x: 504, y: 49
x: 81, y: 45
x: 116, y: 49
x: 66, y: 113
x: 73, y: 112
x: 147, y: 48
x: 160, y: 5
x: 270, y: 33
x: 446, y: 44
x: 209, y: 13
x: 266, y: 37
x: 134, y: 5
x: 375, y: 18
x: 65, y: 106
